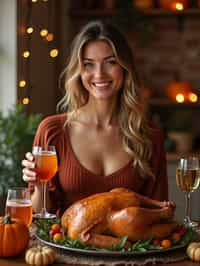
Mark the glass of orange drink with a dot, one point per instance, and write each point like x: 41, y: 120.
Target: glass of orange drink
x: 19, y: 205
x: 46, y: 166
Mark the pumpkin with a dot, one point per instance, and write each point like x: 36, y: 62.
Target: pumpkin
x: 40, y: 255
x: 193, y: 251
x: 178, y: 87
x: 143, y: 4
x: 171, y: 5
x: 14, y: 236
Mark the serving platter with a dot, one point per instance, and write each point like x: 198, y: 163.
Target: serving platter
x: 108, y: 253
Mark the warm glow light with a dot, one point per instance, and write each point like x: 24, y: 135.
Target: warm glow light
x: 49, y: 37
x: 54, y: 52
x: 180, y: 98
x: 26, y: 54
x: 29, y: 30
x: 44, y: 32
x: 179, y: 6
x: 193, y: 97
x: 22, y: 83
x: 25, y: 101
x: 34, y: 1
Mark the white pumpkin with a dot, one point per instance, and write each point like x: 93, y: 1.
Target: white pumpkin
x: 40, y: 255
x: 193, y: 251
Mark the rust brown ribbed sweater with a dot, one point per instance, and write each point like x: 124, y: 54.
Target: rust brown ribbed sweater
x: 73, y: 181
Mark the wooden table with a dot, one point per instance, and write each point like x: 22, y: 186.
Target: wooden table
x: 20, y: 262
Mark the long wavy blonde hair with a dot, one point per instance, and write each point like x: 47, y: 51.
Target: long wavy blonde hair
x: 132, y: 122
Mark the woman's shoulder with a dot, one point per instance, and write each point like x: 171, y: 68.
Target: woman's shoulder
x: 51, y: 129
x: 53, y: 122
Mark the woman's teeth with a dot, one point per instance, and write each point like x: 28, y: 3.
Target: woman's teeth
x: 102, y: 84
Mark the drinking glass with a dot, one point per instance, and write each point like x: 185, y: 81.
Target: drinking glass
x: 188, y: 179
x: 19, y: 205
x: 46, y: 167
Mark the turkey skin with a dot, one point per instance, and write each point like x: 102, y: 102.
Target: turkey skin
x: 102, y: 219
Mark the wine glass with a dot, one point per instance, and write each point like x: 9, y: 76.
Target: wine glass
x: 46, y: 166
x: 188, y: 179
x: 19, y: 204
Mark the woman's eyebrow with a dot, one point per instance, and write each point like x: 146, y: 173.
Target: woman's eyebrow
x: 105, y: 58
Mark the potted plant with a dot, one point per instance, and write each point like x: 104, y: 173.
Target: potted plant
x: 179, y: 127
x: 17, y: 130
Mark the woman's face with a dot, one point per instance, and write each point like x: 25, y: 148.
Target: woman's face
x: 101, y: 74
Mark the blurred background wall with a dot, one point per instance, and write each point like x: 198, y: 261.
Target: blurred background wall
x: 8, y: 54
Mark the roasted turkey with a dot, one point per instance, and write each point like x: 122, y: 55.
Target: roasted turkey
x: 102, y: 219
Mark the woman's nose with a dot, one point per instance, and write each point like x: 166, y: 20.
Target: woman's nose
x: 99, y: 70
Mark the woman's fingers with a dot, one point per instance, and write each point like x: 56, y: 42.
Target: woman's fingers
x: 28, y: 175
x: 29, y: 163
x: 29, y: 156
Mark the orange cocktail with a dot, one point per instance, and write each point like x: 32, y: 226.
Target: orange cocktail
x: 46, y: 165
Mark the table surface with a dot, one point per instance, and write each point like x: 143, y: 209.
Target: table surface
x: 20, y: 262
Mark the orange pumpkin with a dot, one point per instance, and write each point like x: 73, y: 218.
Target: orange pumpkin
x: 171, y: 4
x: 14, y: 236
x: 178, y: 87
x: 143, y: 4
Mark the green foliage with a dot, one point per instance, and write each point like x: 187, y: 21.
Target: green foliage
x: 17, y: 130
x: 44, y: 226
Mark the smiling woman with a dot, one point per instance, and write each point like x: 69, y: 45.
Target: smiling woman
x: 103, y: 139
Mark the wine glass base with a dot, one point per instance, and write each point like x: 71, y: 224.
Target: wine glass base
x: 191, y: 224
x: 44, y: 215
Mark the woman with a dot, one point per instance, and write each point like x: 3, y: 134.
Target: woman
x: 102, y: 140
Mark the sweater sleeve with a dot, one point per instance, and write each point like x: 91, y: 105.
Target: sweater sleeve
x: 158, y: 188
x: 49, y: 132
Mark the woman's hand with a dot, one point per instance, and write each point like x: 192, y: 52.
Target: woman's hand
x: 29, y: 175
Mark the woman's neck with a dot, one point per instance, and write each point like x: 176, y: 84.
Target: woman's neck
x: 101, y: 114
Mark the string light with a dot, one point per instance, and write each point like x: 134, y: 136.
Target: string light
x: 26, y: 54
x: 50, y: 37
x: 29, y: 30
x: 25, y: 100
x: 54, y: 53
x: 43, y: 32
x: 22, y: 83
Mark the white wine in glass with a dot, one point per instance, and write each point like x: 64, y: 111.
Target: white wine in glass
x: 188, y: 179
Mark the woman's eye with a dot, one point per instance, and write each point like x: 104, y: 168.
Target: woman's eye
x: 112, y: 62
x: 87, y: 64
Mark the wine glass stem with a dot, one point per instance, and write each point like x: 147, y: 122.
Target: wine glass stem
x: 187, y: 208
x: 44, y: 184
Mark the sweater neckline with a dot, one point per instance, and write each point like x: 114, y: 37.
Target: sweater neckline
x: 121, y: 169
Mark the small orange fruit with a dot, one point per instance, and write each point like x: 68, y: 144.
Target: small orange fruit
x: 176, y: 236
x: 166, y: 243
x: 56, y: 228
x: 57, y: 236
